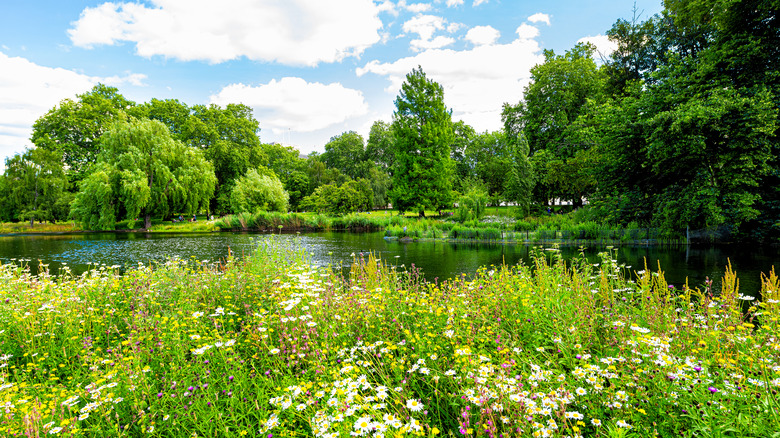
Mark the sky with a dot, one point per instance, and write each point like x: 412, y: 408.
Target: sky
x: 310, y: 69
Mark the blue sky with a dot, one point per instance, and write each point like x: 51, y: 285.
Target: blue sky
x: 310, y: 69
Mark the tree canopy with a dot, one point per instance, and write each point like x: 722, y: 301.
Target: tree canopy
x: 73, y: 128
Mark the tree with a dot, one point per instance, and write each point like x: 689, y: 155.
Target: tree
x: 381, y: 145
x: 36, y: 182
x: 73, y: 128
x: 422, y: 128
x: 465, y: 168
x: 490, y: 157
x: 473, y: 202
x: 380, y: 185
x: 346, y: 153
x: 143, y: 172
x: 353, y: 195
x: 561, y: 90
x: 519, y: 183
x: 693, y: 141
x: 259, y: 190
x: 297, y: 187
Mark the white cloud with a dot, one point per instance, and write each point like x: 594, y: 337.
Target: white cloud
x: 481, y: 35
x: 604, y: 46
x: 476, y: 82
x: 425, y: 26
x: 527, y: 32
x: 301, y: 32
x: 479, y: 2
x: 454, y: 27
x: 452, y: 3
x: 418, y: 7
x: 296, y: 105
x: 539, y: 18
x: 28, y: 91
x: 387, y: 6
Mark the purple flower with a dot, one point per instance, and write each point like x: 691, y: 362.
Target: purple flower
x: 713, y: 389
x: 697, y: 369
x: 159, y: 395
x: 578, y: 356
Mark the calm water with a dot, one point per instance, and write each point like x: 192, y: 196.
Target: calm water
x: 435, y: 259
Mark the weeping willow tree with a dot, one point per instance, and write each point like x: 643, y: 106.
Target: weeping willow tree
x: 142, y: 173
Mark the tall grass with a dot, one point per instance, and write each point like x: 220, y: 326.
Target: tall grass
x: 271, y: 346
x: 275, y: 221
x: 47, y: 227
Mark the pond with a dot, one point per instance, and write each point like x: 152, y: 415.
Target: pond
x: 436, y: 259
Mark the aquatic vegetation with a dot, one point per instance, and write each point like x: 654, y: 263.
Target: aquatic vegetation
x: 273, y: 346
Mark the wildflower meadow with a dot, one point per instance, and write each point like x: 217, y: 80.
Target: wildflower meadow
x: 272, y: 346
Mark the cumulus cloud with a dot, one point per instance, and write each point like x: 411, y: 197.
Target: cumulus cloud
x: 295, y: 104
x: 604, y: 46
x: 425, y: 26
x: 527, y: 32
x: 29, y: 90
x: 418, y: 7
x: 539, y: 18
x: 452, y: 3
x: 387, y: 6
x: 481, y: 35
x: 301, y: 32
x: 477, y: 82
x: 479, y: 2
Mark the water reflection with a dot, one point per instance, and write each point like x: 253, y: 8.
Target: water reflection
x: 437, y: 259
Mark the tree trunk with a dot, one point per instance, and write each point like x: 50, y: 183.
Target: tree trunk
x: 147, y: 222
x: 422, y: 213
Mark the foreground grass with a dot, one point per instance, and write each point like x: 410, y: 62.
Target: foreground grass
x: 274, y: 347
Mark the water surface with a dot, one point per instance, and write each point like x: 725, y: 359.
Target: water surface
x: 437, y: 259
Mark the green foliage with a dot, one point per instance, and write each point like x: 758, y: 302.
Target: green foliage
x: 519, y: 183
x: 380, y: 147
x: 561, y: 90
x: 96, y: 203
x: 422, y: 128
x: 381, y: 183
x: 143, y: 172
x: 34, y: 184
x: 258, y: 190
x: 349, y: 197
x: 297, y: 187
x: 228, y: 136
x: 73, y: 128
x: 473, y: 202
x: 346, y: 153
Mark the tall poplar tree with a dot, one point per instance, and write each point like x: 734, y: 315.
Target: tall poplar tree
x: 422, y: 127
